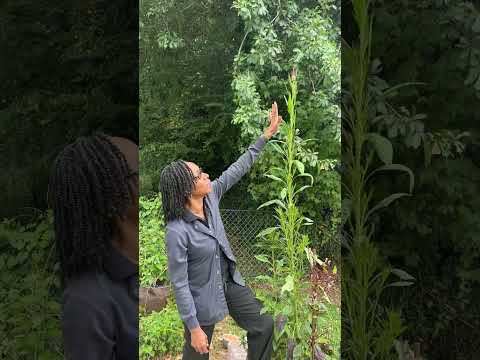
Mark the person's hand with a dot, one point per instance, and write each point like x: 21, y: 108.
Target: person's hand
x: 199, y: 340
x: 275, y: 121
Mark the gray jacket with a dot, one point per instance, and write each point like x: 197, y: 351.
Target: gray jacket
x: 193, y: 252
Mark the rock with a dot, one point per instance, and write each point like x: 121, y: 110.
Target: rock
x: 154, y: 298
x: 235, y: 349
x: 228, y: 339
x: 236, y: 352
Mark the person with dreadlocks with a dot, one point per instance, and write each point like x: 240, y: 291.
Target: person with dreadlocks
x: 202, y: 267
x: 94, y: 194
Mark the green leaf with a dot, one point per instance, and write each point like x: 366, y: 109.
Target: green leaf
x: 392, y: 90
x: 276, y: 178
x: 383, y: 147
x: 278, y: 149
x: 301, y: 189
x: 396, y: 167
x: 288, y: 286
x: 385, y: 202
x: 271, y: 202
x: 267, y: 231
x: 306, y: 175
x: 300, y: 166
x: 265, y: 278
x: 283, y: 193
x: 403, y: 275
x: 400, y: 284
x: 473, y: 275
x: 262, y: 258
x: 346, y: 209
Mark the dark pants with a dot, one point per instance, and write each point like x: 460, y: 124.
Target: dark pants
x: 245, y: 309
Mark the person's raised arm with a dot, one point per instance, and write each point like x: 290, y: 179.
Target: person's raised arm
x: 240, y: 167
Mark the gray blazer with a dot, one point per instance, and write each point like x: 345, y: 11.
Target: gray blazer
x: 193, y: 252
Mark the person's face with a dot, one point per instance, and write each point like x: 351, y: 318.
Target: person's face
x: 203, y: 184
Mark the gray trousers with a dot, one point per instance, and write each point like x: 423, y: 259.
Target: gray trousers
x: 245, y: 309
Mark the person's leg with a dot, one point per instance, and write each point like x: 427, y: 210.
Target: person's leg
x: 245, y: 309
x: 189, y: 353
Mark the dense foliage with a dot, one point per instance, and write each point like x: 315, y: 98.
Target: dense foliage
x: 30, y: 291
x: 205, y: 88
x: 186, y: 52
x: 161, y: 332
x: 448, y: 172
x: 424, y: 91
x: 203, y: 97
x: 278, y: 37
x: 56, y: 86
x: 152, y: 253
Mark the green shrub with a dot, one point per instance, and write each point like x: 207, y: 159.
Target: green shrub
x: 161, y: 332
x: 153, y: 257
x: 30, y: 291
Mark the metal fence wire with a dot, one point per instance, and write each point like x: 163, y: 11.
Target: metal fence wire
x: 242, y: 228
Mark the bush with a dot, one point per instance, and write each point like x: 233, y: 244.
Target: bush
x: 161, y: 333
x: 30, y: 291
x: 152, y: 253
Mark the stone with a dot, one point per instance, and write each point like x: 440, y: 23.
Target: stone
x: 234, y: 347
x: 153, y: 298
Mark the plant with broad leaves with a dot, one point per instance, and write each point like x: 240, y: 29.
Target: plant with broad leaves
x: 152, y: 253
x: 30, y: 290
x: 161, y: 333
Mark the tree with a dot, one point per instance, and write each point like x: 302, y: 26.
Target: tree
x: 279, y: 36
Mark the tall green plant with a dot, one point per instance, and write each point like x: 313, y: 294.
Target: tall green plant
x: 369, y: 329
x: 289, y: 264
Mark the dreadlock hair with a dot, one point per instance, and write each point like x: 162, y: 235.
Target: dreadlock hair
x: 89, y: 187
x: 177, y: 182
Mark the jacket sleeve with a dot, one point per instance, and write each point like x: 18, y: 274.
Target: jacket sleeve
x: 177, y: 267
x: 238, y: 169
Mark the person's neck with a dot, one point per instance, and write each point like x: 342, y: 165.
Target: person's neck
x: 195, y: 205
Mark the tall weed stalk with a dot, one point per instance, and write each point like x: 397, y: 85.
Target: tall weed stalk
x: 368, y: 328
x: 289, y: 263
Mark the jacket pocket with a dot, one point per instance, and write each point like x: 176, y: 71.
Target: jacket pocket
x: 204, y: 300
x: 199, y: 272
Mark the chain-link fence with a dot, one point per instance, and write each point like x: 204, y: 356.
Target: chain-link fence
x: 242, y: 227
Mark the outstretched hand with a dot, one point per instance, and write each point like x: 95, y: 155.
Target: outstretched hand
x: 275, y: 121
